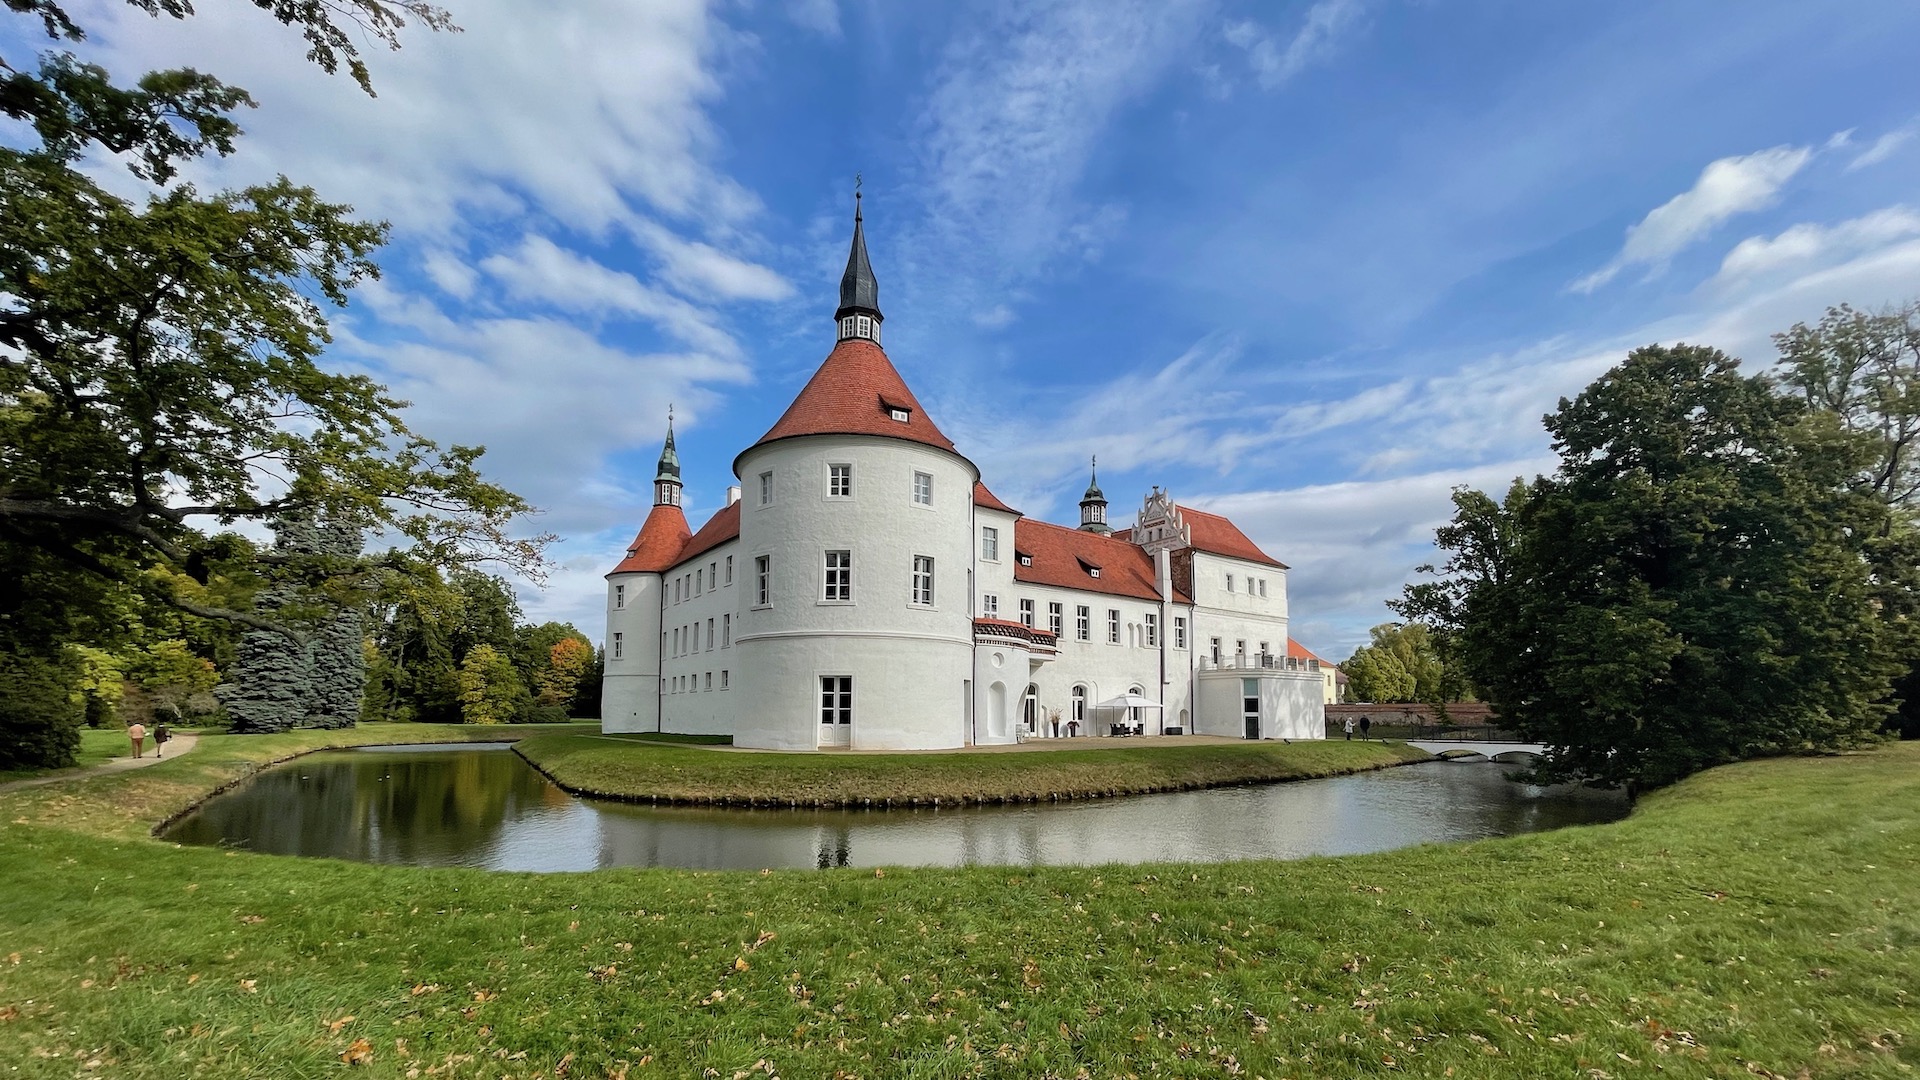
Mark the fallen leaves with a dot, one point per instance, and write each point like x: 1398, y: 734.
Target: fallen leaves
x: 424, y: 988
x: 359, y: 1053
x: 334, y: 1026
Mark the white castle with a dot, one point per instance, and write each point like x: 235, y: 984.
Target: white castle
x: 870, y: 592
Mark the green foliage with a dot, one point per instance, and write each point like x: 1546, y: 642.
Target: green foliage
x: 40, y: 715
x: 1402, y: 663
x: 586, y: 692
x: 491, y: 691
x: 1689, y: 589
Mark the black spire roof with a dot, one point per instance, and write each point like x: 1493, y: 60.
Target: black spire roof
x: 859, y: 292
x: 669, y: 460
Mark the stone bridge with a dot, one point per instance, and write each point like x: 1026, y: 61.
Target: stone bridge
x: 1507, y: 753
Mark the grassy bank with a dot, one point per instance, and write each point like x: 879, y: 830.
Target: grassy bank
x: 97, y: 747
x: 641, y: 770
x: 1756, y: 921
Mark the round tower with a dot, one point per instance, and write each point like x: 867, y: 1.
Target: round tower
x: 630, y: 688
x: 856, y: 532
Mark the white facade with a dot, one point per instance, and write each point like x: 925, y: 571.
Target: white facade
x: 867, y: 593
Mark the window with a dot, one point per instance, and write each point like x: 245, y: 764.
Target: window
x: 729, y: 569
x: 709, y: 682
x: 1263, y: 588
x: 898, y: 413
x: 1053, y: 618
x: 836, y: 699
x: 990, y: 543
x: 713, y: 575
x: 726, y: 631
x: 839, y: 579
x: 709, y: 635
x: 1026, y: 614
x: 1079, y: 704
x: 676, y: 641
x: 923, y: 579
x: 922, y: 489
x: 676, y: 590
x: 990, y: 606
x: 699, y: 582
x: 1179, y: 631
x: 763, y: 580
x: 1083, y: 623
x: 766, y: 490
x: 619, y: 645
x: 723, y: 679
x: 1216, y: 652
x: 1240, y: 650
x: 839, y: 481
x: 1026, y: 560
x: 1113, y: 626
x: 619, y: 596
x: 863, y: 325
x: 1093, y: 571
x: 1153, y: 629
x: 1263, y: 650
x: 1229, y: 582
x: 846, y: 327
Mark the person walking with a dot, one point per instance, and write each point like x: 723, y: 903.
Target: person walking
x: 1366, y: 727
x: 138, y: 733
x: 160, y: 737
x: 1349, y: 729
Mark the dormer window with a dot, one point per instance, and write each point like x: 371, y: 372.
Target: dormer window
x: 1095, y: 571
x: 901, y: 415
x: 1026, y: 559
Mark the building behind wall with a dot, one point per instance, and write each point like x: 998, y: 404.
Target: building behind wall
x: 864, y: 588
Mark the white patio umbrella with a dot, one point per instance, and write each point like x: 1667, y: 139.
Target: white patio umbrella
x: 1130, y: 701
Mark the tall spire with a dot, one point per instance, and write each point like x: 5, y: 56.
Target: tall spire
x: 859, y: 312
x: 666, y: 480
x: 1093, y: 505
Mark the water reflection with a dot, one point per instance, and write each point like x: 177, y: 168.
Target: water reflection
x: 484, y: 807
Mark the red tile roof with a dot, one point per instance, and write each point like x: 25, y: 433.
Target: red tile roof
x: 1061, y: 555
x: 853, y: 393
x: 1301, y: 652
x: 658, y: 544
x: 1215, y: 534
x: 719, y: 529
x: 983, y: 497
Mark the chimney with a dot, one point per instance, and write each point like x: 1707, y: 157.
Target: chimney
x: 1163, y: 574
x: 733, y: 494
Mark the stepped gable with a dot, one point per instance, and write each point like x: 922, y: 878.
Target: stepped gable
x: 1218, y: 536
x: 855, y: 392
x: 719, y: 529
x: 983, y: 497
x: 1064, y: 557
x: 658, y: 544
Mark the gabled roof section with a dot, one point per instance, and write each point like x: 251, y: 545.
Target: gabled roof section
x: 1061, y: 557
x: 1218, y: 536
x: 1301, y: 652
x: 658, y: 544
x: 719, y: 529
x: 983, y: 497
x: 853, y: 393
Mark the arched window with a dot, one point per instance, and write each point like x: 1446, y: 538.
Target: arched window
x: 1136, y: 717
x: 1031, y: 708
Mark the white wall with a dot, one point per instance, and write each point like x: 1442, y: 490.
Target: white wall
x: 1291, y: 705
x: 689, y: 706
x: 1238, y: 615
x: 910, y: 664
x: 1106, y: 670
x: 629, y: 693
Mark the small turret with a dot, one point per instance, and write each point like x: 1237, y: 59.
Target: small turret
x: 1093, y: 505
x: 858, y: 315
x: 666, y: 480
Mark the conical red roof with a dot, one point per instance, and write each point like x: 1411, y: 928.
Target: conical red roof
x: 659, y: 543
x: 856, y: 392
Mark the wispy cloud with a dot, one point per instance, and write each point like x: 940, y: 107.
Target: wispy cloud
x: 1882, y: 148
x: 543, y: 272
x: 1808, y: 244
x: 1327, y: 25
x: 1726, y: 188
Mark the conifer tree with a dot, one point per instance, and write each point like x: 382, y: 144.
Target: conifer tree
x: 336, y: 656
x: 270, y: 687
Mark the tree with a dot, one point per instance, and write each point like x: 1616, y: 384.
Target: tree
x: 158, y: 356
x: 568, y: 661
x: 1402, y: 663
x: 1864, y: 371
x: 491, y: 691
x: 1688, y: 589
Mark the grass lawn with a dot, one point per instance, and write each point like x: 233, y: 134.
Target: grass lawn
x: 97, y: 747
x: 1759, y: 920
x: 629, y: 767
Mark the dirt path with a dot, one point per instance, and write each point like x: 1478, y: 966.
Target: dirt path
x: 180, y: 744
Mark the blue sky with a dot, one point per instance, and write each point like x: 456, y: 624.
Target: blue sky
x: 1308, y: 264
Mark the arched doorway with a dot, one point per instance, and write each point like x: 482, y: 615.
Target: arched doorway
x: 1079, y: 704
x: 1030, y: 708
x: 1137, y: 717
